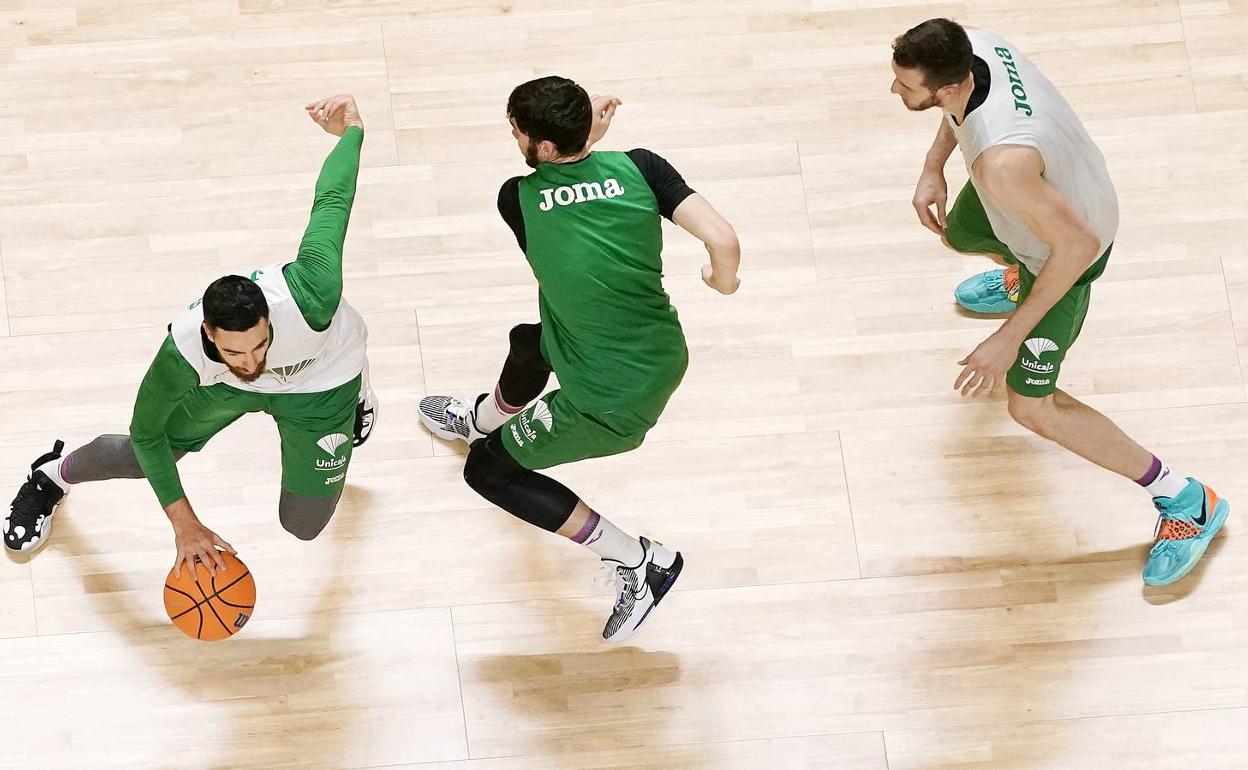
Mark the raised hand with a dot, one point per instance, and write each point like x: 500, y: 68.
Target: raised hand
x: 335, y: 114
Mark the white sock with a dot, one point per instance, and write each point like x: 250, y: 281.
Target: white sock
x: 52, y: 469
x: 1167, y: 484
x: 490, y: 414
x: 609, y: 541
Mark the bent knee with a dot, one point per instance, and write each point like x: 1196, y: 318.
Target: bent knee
x: 1034, y: 414
x: 485, y: 471
x: 305, y: 517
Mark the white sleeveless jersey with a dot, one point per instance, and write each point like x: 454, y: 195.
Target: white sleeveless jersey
x: 1023, y: 107
x: 299, y: 360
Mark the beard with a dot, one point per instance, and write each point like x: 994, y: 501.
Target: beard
x: 931, y: 101
x: 530, y: 155
x: 247, y: 376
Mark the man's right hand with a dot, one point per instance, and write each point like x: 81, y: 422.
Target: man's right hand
x: 335, y: 114
x: 193, y: 540
x: 932, y: 190
x: 720, y: 282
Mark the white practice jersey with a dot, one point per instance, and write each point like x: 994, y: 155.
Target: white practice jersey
x: 1023, y: 107
x: 300, y: 359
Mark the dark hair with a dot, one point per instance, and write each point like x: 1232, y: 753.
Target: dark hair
x: 552, y: 109
x: 939, y: 48
x: 234, y: 304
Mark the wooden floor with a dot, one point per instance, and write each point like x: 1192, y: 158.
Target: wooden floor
x: 881, y: 575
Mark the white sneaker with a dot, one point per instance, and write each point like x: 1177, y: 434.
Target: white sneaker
x: 639, y: 589
x: 450, y: 418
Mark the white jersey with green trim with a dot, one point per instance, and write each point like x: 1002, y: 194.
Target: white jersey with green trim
x: 299, y: 360
x: 1023, y: 107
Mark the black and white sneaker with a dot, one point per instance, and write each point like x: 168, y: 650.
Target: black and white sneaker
x: 366, y: 413
x: 451, y: 417
x: 29, y: 522
x: 639, y: 589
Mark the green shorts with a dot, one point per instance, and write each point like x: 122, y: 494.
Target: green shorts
x: 555, y: 431
x: 1039, y: 361
x: 315, y: 428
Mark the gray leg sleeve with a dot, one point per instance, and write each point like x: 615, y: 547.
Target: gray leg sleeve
x: 110, y: 456
x: 303, y: 516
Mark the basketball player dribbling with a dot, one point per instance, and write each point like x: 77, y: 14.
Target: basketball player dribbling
x: 280, y: 340
x: 1040, y: 198
x: 589, y: 224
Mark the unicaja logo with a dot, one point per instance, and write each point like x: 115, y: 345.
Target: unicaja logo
x: 331, y: 443
x: 541, y: 413
x: 1040, y: 345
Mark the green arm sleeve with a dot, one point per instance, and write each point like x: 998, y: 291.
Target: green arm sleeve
x: 315, y: 277
x: 168, y: 380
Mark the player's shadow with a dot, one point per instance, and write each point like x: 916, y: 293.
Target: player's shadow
x: 253, y: 679
x: 1007, y: 662
x: 558, y: 703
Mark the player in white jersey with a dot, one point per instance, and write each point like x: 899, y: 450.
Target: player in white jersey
x: 1041, y: 200
x: 280, y: 340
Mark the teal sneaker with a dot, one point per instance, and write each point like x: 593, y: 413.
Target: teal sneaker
x: 995, y: 291
x: 1188, y: 522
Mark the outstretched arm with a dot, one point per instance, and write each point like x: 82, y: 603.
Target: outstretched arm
x: 167, y: 383
x: 315, y: 277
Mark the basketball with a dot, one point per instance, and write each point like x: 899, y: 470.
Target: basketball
x: 211, y: 606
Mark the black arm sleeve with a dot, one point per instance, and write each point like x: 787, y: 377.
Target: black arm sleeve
x: 666, y: 182
x: 509, y: 208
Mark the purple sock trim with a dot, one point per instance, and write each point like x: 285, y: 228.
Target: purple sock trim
x: 1154, y: 471
x: 502, y: 405
x: 590, y: 525
x: 65, y: 466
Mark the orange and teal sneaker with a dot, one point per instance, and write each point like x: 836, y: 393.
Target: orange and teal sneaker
x: 993, y: 292
x: 1186, y: 525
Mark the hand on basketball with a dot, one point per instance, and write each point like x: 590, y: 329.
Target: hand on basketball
x: 335, y: 114
x: 195, y: 541
x: 604, y: 110
x: 932, y: 190
x: 723, y: 285
x: 985, y: 368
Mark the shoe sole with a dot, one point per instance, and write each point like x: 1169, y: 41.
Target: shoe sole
x: 1220, y: 513
x: 987, y: 309
x: 678, y: 565
x: 437, y: 429
x: 43, y: 541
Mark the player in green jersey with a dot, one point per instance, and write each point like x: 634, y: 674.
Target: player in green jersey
x: 280, y: 339
x: 590, y: 225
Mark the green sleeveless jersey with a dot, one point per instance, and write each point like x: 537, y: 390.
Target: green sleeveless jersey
x: 595, y: 241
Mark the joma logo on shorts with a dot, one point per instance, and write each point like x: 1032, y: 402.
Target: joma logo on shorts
x: 579, y: 193
x: 1016, y: 83
x: 335, y: 479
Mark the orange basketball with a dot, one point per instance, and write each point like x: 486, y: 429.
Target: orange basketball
x: 211, y: 606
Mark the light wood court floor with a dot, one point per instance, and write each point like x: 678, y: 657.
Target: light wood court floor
x: 880, y: 575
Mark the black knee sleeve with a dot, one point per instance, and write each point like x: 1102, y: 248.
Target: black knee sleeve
x: 525, y: 373
x: 525, y: 494
x: 303, y: 516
